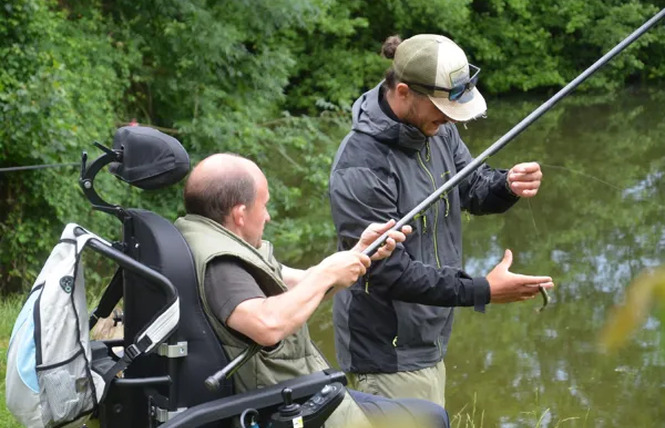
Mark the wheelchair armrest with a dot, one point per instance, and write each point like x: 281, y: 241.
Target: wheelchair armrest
x: 260, y: 399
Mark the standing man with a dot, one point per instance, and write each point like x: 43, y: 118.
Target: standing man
x: 392, y: 326
x: 250, y: 298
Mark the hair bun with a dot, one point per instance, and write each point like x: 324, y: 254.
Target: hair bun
x: 390, y: 46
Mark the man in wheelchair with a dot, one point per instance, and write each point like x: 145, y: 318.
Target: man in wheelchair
x: 250, y: 298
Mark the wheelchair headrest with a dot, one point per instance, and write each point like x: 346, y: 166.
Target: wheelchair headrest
x: 150, y: 159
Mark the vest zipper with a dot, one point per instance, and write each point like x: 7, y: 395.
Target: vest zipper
x: 436, y: 208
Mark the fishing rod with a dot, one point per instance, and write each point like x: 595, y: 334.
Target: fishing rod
x: 514, y: 132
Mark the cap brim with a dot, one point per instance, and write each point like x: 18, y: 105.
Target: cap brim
x: 470, y: 106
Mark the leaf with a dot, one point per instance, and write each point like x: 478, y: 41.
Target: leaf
x: 641, y: 296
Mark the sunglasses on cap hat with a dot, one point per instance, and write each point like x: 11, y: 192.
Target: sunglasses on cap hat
x: 454, y: 93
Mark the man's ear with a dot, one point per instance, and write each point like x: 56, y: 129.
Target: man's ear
x: 402, y: 90
x: 238, y: 215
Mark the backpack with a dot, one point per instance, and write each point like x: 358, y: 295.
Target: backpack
x: 51, y: 380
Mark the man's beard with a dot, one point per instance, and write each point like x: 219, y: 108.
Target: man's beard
x: 413, y: 118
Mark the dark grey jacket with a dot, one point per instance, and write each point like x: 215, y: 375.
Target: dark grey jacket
x: 399, y: 316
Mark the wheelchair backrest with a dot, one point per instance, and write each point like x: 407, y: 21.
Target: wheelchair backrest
x: 156, y: 243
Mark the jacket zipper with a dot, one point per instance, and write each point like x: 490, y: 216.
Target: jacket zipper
x: 445, y: 195
x: 436, y: 208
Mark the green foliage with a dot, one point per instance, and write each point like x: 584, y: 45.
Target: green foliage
x: 61, y: 83
x: 529, y: 45
x: 644, y: 292
x: 520, y: 45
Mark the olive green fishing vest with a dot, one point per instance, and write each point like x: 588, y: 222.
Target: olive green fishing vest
x: 294, y: 356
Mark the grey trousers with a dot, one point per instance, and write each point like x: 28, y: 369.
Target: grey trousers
x: 426, y: 384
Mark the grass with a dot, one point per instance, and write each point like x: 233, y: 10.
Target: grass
x: 10, y: 306
x: 464, y: 419
x: 469, y: 419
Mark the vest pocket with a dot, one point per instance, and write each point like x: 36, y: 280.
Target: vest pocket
x: 275, y: 350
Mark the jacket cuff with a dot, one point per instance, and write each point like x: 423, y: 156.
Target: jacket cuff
x: 502, y: 189
x: 481, y: 293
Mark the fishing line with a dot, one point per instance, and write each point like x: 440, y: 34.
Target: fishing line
x: 533, y: 220
x: 607, y: 183
x: 34, y: 167
x: 565, y: 168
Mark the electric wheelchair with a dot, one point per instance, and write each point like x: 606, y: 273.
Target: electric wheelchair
x: 184, y: 380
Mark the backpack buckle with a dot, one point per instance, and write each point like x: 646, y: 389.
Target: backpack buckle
x: 131, y: 352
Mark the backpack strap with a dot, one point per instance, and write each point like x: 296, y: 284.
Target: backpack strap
x: 110, y: 298
x: 155, y: 333
x: 162, y: 325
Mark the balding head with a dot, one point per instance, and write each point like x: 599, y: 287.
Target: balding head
x: 220, y: 182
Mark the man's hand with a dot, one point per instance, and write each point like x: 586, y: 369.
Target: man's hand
x: 344, y: 267
x: 524, y: 179
x: 374, y: 231
x: 506, y: 287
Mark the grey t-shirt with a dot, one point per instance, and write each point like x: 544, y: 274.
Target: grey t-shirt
x: 227, y: 284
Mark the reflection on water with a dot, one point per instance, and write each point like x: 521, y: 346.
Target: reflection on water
x: 597, y: 222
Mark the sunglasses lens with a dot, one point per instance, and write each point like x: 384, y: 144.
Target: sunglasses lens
x: 456, y: 93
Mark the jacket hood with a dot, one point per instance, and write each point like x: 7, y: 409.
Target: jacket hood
x: 369, y: 118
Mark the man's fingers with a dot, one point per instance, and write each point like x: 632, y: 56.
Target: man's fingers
x: 396, y: 236
x: 507, y: 258
x: 536, y: 281
x: 381, y: 228
x: 384, y: 251
x: 525, y: 189
x: 525, y: 178
x: 526, y: 167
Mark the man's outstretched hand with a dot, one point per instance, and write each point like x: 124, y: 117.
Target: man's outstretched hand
x: 506, y: 287
x: 374, y: 231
